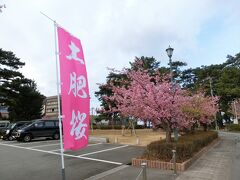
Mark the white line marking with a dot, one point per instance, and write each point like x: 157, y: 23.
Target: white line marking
x: 67, y: 155
x: 45, y: 145
x: 55, y: 150
x: 106, y: 173
x: 87, y: 146
x: 95, y: 152
x: 93, y: 144
x: 29, y: 143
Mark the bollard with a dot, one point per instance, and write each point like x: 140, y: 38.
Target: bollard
x: 116, y: 140
x: 174, y: 162
x: 144, y: 170
x: 138, y: 141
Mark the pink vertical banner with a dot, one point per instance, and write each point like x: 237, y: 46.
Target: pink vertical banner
x: 75, y: 98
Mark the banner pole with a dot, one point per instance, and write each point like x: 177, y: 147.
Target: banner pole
x: 59, y: 109
x: 58, y: 95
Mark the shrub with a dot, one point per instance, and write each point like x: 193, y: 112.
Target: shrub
x: 186, y: 146
x: 139, y: 127
x: 106, y: 127
x: 233, y: 127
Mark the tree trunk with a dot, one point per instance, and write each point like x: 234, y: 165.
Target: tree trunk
x: 193, y: 129
x: 112, y: 122
x: 168, y: 134
x: 145, y: 124
x: 133, y: 128
x: 205, y: 127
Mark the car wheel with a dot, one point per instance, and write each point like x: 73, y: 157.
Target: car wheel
x: 10, y: 138
x: 27, y: 138
x: 56, y: 136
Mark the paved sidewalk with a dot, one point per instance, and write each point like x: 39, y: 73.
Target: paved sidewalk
x: 216, y: 164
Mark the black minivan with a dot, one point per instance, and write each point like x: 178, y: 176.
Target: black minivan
x: 39, y: 128
x: 8, y: 133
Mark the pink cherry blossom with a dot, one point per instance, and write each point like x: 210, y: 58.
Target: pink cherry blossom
x: 155, y: 99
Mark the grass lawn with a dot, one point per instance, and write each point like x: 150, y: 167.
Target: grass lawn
x: 145, y: 136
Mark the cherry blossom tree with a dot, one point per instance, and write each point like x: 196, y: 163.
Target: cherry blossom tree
x: 201, y: 108
x: 151, y: 98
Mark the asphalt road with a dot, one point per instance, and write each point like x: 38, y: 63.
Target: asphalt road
x: 40, y: 160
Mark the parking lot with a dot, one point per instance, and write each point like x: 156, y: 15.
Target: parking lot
x: 40, y: 159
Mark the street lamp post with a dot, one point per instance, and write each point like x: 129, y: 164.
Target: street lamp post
x: 169, y: 51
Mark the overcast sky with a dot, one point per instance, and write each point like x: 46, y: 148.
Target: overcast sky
x: 113, y: 32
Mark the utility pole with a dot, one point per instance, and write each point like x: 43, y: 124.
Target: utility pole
x: 235, y: 121
x: 211, y: 91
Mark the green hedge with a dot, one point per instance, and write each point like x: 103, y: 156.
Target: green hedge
x: 233, y: 127
x: 106, y: 127
x: 186, y: 146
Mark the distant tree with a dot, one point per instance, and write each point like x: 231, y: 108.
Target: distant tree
x: 113, y: 79
x: 177, y: 70
x: 149, y: 64
x: 9, y: 66
x: 8, y: 74
x: 18, y: 93
x: 225, y: 81
x: 198, y: 78
x: 27, y: 103
x: 200, y: 109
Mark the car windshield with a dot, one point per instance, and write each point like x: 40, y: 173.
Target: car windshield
x: 28, y: 124
x: 12, y: 125
x: 24, y: 125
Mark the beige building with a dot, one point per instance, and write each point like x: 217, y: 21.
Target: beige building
x: 4, y: 114
x: 236, y: 111
x: 51, y: 107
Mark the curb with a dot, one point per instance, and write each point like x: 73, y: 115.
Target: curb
x: 98, y: 139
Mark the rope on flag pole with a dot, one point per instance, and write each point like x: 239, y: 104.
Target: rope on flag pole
x: 58, y: 94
